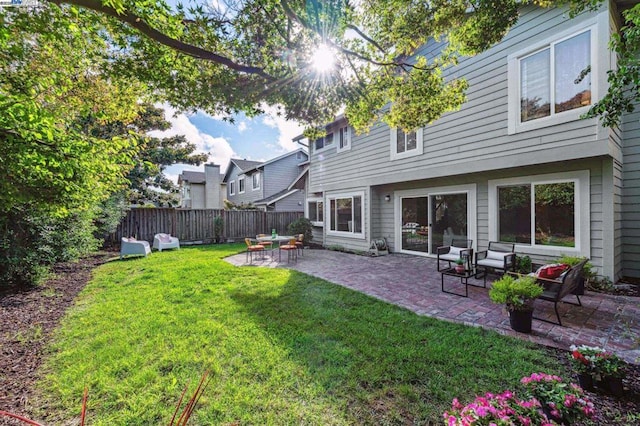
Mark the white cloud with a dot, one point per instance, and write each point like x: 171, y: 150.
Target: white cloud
x: 287, y: 129
x: 242, y: 126
x: 218, y: 149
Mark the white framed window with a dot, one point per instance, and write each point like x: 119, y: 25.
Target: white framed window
x: 241, y: 185
x: 553, y: 82
x: 344, y: 139
x: 315, y: 211
x: 232, y: 187
x: 346, y: 214
x: 323, y: 142
x: 255, y: 181
x: 544, y: 214
x: 405, y: 145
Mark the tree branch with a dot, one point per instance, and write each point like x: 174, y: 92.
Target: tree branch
x: 188, y: 49
x: 366, y: 37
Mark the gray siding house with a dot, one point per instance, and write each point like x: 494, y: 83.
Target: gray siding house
x: 202, y: 190
x: 516, y: 163
x: 272, y: 185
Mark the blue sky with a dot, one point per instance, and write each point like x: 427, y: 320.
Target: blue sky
x: 259, y: 138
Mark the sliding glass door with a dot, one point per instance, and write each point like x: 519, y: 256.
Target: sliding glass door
x: 427, y: 219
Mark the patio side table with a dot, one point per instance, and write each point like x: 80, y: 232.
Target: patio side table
x: 464, y: 279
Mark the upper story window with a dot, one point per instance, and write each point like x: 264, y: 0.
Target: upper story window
x: 232, y: 187
x: 241, y: 185
x: 344, y: 139
x: 255, y: 181
x: 405, y: 144
x: 323, y: 142
x: 552, y: 83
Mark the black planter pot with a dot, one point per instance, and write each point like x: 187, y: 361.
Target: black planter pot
x: 585, y: 381
x: 614, y: 385
x: 521, y: 320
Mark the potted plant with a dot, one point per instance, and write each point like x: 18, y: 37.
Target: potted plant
x: 523, y: 264
x: 517, y: 294
x: 610, y: 369
x: 582, y: 360
x: 460, y: 266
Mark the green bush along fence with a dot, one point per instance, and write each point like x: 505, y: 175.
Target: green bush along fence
x: 198, y: 225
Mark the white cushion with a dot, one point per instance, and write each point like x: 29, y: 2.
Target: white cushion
x: 449, y: 257
x: 454, y: 251
x: 491, y: 263
x: 496, y: 255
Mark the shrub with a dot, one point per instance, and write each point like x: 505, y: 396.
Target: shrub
x: 562, y: 401
x: 516, y: 293
x: 301, y: 226
x: 218, y: 227
x: 523, y: 264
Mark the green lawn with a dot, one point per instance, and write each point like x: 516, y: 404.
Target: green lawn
x: 283, y: 348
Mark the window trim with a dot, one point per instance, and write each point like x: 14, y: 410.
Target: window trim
x: 253, y: 187
x: 232, y: 187
x: 582, y: 219
x: 513, y: 80
x: 325, y: 147
x: 340, y: 133
x: 306, y: 210
x: 328, y: 218
x: 242, y: 185
x: 414, y: 152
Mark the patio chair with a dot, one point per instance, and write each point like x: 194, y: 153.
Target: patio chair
x: 165, y: 241
x: 253, y: 247
x: 459, y: 249
x: 266, y: 244
x: 300, y: 244
x: 498, y: 257
x: 556, y: 289
x: 131, y: 246
x: 292, y: 251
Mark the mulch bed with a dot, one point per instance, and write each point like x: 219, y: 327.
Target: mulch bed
x: 28, y: 317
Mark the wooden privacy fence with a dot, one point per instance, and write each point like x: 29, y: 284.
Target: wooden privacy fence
x: 198, y: 225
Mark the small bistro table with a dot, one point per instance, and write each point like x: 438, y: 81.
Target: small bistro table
x: 464, y: 279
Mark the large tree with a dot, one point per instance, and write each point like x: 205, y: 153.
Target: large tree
x: 147, y: 183
x: 243, y: 54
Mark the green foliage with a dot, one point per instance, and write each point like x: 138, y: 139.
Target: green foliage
x: 218, y: 227
x: 574, y: 260
x: 301, y: 226
x: 283, y: 348
x: 31, y: 241
x: 624, y: 82
x: 230, y: 205
x: 523, y: 264
x: 516, y: 293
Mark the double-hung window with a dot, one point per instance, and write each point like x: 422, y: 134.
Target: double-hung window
x: 323, y: 142
x: 552, y: 83
x: 346, y: 215
x: 315, y: 212
x: 405, y: 144
x: 241, y: 185
x: 543, y: 212
x: 344, y: 139
x: 232, y: 187
x: 255, y: 181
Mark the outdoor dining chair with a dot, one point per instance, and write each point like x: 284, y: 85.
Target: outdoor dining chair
x: 253, y: 247
x: 292, y: 251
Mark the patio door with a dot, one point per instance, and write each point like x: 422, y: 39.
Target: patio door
x: 432, y: 217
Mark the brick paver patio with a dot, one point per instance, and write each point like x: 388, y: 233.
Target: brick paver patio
x: 611, y: 322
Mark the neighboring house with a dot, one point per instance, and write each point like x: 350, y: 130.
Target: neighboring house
x: 275, y: 185
x: 202, y: 190
x: 515, y: 163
